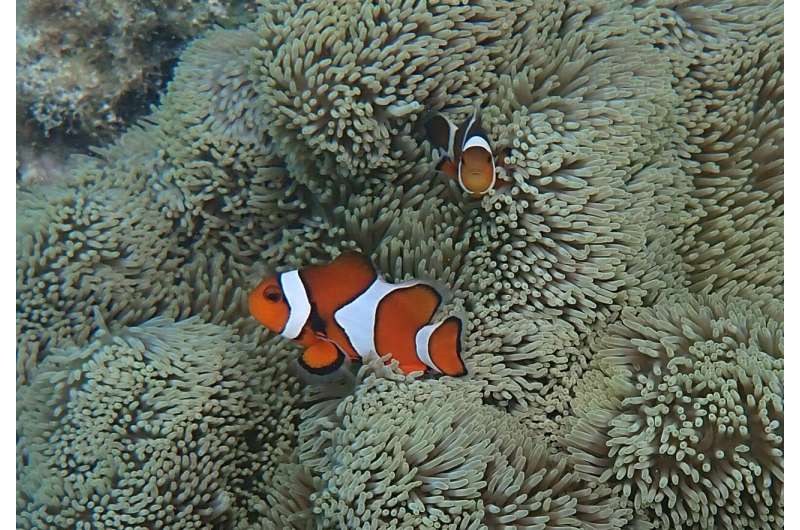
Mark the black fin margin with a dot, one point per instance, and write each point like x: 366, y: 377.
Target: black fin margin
x: 324, y: 370
x: 437, y: 130
x: 357, y: 254
x: 460, y: 325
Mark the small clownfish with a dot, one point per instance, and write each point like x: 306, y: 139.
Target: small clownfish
x: 468, y: 157
x: 345, y: 308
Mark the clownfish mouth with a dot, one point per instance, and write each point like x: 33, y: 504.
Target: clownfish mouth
x: 477, y: 181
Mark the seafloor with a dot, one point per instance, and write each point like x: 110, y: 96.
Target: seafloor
x: 623, y: 299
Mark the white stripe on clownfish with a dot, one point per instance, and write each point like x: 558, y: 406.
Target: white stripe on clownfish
x: 357, y: 318
x: 477, y: 141
x: 464, y: 146
x: 468, y: 128
x: 422, y: 340
x: 378, y: 316
x: 451, y: 139
x: 299, y: 305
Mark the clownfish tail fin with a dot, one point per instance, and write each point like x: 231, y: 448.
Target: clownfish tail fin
x: 444, y: 347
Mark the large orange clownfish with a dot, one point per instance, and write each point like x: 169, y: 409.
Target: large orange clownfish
x: 345, y: 308
x: 468, y: 157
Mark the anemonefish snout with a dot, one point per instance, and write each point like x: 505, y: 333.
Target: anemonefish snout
x: 345, y: 309
x: 268, y: 305
x: 468, y: 157
x: 477, y: 170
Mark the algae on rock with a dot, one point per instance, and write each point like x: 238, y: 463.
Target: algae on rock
x: 81, y: 66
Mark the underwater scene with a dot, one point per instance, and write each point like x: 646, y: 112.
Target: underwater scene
x: 400, y: 264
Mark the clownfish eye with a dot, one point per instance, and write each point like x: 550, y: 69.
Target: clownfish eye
x: 272, y: 294
x: 488, y: 159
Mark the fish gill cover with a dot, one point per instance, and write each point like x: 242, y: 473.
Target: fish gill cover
x: 623, y: 300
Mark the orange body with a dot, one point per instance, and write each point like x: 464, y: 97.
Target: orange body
x: 477, y: 171
x: 345, y: 309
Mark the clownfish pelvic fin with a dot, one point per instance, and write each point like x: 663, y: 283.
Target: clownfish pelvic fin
x: 448, y: 167
x: 322, y: 357
x: 344, y: 311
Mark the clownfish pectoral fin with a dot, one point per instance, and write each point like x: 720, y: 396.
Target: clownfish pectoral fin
x: 502, y: 184
x: 448, y: 167
x: 444, y: 347
x: 500, y: 161
x: 348, y: 261
x: 501, y: 157
x: 502, y: 153
x: 322, y: 357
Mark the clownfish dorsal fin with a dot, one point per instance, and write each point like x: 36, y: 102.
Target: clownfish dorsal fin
x: 462, y: 134
x: 470, y: 126
x: 474, y: 127
x: 334, y: 284
x: 441, y: 289
x: 354, y: 258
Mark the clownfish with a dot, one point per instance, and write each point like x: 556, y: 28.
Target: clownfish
x: 345, y: 308
x: 468, y: 157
